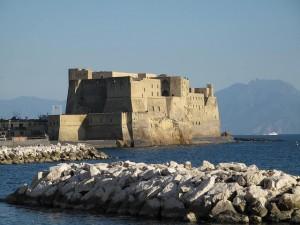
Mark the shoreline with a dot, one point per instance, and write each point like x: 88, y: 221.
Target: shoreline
x: 113, y: 143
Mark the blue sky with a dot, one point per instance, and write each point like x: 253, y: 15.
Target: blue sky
x: 219, y: 42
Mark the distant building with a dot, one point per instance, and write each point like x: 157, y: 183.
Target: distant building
x: 56, y: 110
x: 136, y: 109
x: 31, y: 128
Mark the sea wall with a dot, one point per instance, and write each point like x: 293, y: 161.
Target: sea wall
x: 48, y: 153
x: 225, y: 193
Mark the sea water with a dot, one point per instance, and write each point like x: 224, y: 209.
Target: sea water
x: 267, y: 152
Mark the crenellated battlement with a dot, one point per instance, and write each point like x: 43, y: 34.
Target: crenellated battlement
x: 87, y: 74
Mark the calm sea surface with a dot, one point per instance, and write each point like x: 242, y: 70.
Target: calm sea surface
x: 279, y: 152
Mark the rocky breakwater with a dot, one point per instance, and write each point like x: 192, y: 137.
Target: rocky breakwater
x: 48, y: 153
x: 227, y: 192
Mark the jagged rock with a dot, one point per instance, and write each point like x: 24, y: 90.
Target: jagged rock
x: 191, y: 217
x: 55, y: 172
x: 238, y: 179
x: 268, y: 183
x: 188, y: 165
x: 255, y: 220
x: 220, y: 191
x: 206, y: 166
x: 257, y: 207
x: 275, y: 215
x: 296, y: 190
x: 296, y: 216
x: 151, y: 208
x: 239, y: 203
x: 279, y: 182
x: 48, y: 153
x: 197, y: 192
x: 256, y: 193
x: 238, y: 167
x: 289, y: 201
x: 253, y: 177
x: 222, y: 206
x: 171, y: 190
x: 231, y: 217
x: 173, y: 208
x: 225, y: 212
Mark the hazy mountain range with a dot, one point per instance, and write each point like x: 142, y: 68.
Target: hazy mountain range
x: 259, y: 107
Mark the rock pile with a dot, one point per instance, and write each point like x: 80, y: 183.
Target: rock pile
x: 227, y: 192
x: 48, y: 153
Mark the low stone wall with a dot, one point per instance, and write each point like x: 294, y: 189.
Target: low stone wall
x: 48, y: 153
x: 227, y: 192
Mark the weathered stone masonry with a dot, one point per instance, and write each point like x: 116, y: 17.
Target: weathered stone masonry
x: 136, y: 109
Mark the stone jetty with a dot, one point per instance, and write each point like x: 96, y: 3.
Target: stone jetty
x: 48, y: 153
x: 223, y: 193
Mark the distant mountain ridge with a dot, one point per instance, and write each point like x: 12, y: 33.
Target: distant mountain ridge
x: 260, y: 107
x: 27, y: 106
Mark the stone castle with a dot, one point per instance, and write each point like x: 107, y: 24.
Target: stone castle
x: 136, y: 109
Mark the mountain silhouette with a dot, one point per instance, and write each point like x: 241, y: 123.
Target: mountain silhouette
x: 260, y: 107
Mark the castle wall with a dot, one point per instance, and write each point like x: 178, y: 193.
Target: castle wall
x: 105, y: 126
x: 179, y: 86
x: 148, y: 130
x: 118, y: 95
x: 205, y: 117
x: 80, y: 74
x: 72, y: 127
x: 86, y: 96
x: 144, y: 88
x: 157, y: 107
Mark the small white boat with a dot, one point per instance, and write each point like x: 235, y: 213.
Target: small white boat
x: 272, y: 133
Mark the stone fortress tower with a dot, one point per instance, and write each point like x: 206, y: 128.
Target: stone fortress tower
x: 137, y: 109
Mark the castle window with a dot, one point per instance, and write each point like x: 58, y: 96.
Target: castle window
x: 157, y: 93
x: 152, y: 93
x: 159, y: 108
x: 144, y: 89
x: 153, y: 108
